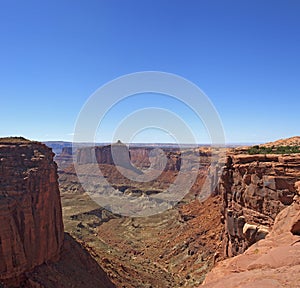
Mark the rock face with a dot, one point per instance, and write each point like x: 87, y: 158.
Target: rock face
x: 157, y: 156
x: 254, y: 189
x: 271, y: 262
x: 34, y: 251
x: 118, y: 154
x: 108, y: 154
x: 65, y: 158
x: 31, y: 227
x: 144, y: 158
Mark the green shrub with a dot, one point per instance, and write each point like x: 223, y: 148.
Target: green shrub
x: 273, y: 150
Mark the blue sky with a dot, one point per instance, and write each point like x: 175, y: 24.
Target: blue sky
x: 243, y: 54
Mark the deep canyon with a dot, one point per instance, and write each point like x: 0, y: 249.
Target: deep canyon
x: 52, y: 234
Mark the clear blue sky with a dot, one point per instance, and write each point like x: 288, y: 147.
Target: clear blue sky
x: 245, y: 55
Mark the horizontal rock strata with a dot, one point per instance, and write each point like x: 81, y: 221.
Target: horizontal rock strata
x: 31, y: 227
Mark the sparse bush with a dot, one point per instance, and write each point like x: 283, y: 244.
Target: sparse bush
x: 273, y: 150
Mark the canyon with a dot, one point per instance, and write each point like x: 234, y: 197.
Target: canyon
x: 172, y: 249
x: 140, y: 156
x: 248, y: 192
x: 239, y: 219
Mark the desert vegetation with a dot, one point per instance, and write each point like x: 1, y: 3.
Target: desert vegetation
x: 273, y: 150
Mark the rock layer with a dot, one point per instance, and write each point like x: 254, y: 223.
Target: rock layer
x: 271, y: 262
x: 254, y: 189
x: 118, y: 154
x: 31, y: 227
x: 65, y: 158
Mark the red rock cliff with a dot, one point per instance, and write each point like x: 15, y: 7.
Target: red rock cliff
x: 138, y: 156
x: 271, y: 262
x: 254, y: 189
x: 31, y: 227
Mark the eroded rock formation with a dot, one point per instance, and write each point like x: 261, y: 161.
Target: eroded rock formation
x: 34, y: 252
x: 118, y: 154
x: 271, y: 262
x: 115, y: 154
x: 254, y: 189
x: 31, y: 228
x: 144, y: 157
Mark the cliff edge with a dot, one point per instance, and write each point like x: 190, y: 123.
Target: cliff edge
x: 271, y: 262
x: 31, y: 230
x: 34, y: 251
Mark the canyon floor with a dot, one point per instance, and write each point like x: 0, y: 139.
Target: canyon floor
x: 172, y: 249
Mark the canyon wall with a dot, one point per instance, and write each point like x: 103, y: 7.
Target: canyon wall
x: 144, y: 157
x: 254, y: 189
x: 261, y: 221
x: 65, y: 158
x: 31, y: 227
x: 157, y: 157
x: 34, y: 250
x: 271, y: 262
x: 141, y: 157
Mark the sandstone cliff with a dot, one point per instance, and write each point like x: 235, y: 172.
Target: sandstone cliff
x: 31, y: 229
x: 118, y: 154
x: 65, y: 158
x: 115, y: 154
x: 142, y: 157
x: 254, y: 189
x: 271, y: 262
x: 261, y: 216
x: 33, y: 250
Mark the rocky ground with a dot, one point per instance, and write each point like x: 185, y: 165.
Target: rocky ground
x: 271, y: 262
x: 172, y: 249
x: 75, y: 268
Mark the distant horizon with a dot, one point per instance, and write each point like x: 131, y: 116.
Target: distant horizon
x: 150, y: 143
x: 109, y: 142
x: 171, y: 143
